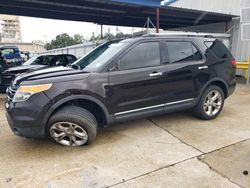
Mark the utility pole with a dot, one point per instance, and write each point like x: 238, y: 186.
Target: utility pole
x: 157, y: 20
x: 101, y: 31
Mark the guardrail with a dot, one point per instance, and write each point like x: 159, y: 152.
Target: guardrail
x: 78, y: 50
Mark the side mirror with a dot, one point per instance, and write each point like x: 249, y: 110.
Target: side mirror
x: 114, y: 66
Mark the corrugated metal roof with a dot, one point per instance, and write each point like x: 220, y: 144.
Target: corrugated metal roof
x: 231, y: 7
x: 109, y: 13
x: 240, y: 49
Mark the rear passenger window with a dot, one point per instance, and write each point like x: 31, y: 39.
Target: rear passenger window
x: 143, y: 55
x: 182, y: 52
x: 218, y: 48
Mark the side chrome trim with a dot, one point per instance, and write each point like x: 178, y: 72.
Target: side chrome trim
x: 151, y: 107
x: 177, y: 102
x: 139, y: 109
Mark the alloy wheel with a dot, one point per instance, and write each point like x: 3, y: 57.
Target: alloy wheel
x: 213, y: 103
x: 68, y: 134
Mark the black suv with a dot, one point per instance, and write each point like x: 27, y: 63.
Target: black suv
x: 119, y: 81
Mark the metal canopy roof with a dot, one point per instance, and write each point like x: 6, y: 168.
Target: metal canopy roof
x: 109, y: 12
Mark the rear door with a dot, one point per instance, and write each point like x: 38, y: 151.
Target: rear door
x: 136, y: 80
x: 187, y: 71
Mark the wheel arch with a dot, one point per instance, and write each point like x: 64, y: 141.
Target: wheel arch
x: 78, y: 98
x: 218, y: 82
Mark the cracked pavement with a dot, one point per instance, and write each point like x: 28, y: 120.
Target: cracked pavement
x: 173, y: 150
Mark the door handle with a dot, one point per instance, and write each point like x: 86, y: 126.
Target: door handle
x: 202, y: 67
x: 156, y: 74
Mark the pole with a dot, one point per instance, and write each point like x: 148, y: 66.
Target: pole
x: 148, y: 22
x: 157, y: 20
x: 101, y: 32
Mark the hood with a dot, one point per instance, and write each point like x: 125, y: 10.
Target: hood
x: 24, y: 68
x: 55, y: 73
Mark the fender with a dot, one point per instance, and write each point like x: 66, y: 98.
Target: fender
x: 74, y: 97
x: 208, y: 83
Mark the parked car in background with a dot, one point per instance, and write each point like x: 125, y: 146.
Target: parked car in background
x: 35, y: 63
x: 10, y: 57
x: 121, y: 81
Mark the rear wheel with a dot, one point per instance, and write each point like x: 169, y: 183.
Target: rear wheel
x: 72, y: 126
x: 211, y: 103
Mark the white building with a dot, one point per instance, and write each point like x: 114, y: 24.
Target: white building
x: 10, y: 29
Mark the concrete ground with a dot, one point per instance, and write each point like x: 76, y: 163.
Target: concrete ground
x: 174, y: 150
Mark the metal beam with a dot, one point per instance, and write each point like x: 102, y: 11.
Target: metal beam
x: 108, y: 13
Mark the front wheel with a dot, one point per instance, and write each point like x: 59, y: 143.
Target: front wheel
x: 211, y: 103
x: 72, y: 126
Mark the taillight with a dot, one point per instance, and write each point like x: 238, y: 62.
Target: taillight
x: 234, y: 63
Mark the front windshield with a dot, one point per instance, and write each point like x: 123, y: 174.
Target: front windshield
x: 8, y: 51
x: 100, y: 55
x: 31, y: 60
x: 40, y: 60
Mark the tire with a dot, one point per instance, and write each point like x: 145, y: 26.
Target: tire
x: 72, y: 126
x: 204, y: 106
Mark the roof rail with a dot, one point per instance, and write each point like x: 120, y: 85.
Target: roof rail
x: 179, y: 35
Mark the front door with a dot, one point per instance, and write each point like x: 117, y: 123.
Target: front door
x: 137, y: 84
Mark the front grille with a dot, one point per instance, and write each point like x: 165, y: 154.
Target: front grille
x: 11, y: 92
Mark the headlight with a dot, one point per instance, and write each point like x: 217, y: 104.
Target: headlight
x: 25, y: 92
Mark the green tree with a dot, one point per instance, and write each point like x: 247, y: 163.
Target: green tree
x: 64, y: 40
x: 48, y: 46
x: 78, y: 39
x: 119, y: 35
x: 108, y: 36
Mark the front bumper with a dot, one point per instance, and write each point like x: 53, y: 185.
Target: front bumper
x: 25, y: 118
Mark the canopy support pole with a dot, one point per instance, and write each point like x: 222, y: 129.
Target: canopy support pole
x: 157, y: 20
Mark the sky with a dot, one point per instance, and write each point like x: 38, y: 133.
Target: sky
x: 47, y: 29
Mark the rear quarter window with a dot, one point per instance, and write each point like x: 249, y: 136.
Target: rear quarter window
x: 218, y: 48
x: 182, y: 52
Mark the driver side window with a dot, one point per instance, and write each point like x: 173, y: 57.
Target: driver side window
x: 146, y: 54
